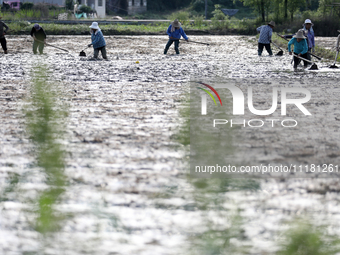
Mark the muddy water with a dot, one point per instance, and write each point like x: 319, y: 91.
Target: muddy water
x: 128, y: 193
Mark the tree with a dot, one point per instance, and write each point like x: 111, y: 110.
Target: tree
x: 69, y: 4
x: 260, y: 6
x: 293, y: 6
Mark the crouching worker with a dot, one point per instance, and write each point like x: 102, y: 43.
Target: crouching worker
x: 175, y: 31
x: 265, y: 38
x: 39, y: 37
x: 300, y: 48
x: 98, y: 41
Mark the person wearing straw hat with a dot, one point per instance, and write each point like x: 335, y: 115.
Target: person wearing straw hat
x: 98, y: 41
x: 39, y: 37
x: 2, y: 35
x: 265, y: 38
x: 300, y: 48
x: 175, y: 32
x: 308, y: 33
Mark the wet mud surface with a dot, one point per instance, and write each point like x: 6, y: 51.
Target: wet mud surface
x: 128, y: 192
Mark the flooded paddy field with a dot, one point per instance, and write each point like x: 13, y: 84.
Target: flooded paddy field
x: 127, y: 189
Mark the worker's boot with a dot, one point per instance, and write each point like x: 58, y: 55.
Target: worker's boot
x: 165, y: 51
x: 6, y: 51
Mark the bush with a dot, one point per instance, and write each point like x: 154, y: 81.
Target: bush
x: 219, y: 20
x: 218, y: 14
x: 69, y: 4
x: 26, y: 6
x: 182, y: 17
x: 199, y: 6
x: 85, y: 8
x: 199, y: 20
x: 42, y: 8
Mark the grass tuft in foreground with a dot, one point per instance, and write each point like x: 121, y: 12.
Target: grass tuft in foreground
x: 44, y: 125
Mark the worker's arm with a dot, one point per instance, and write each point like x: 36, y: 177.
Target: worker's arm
x: 270, y: 35
x: 6, y: 28
x: 168, y: 31
x: 183, y: 34
x: 289, y: 45
x: 32, y: 32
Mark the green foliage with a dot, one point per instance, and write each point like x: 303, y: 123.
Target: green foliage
x: 293, y: 6
x: 182, y: 16
x: 199, y: 20
x: 85, y: 8
x: 45, y: 128
x: 165, y: 5
x: 261, y: 7
x: 217, y: 13
x: 69, y: 4
x: 304, y: 238
x: 26, y: 6
x: 218, y: 21
x: 199, y: 6
x: 42, y: 9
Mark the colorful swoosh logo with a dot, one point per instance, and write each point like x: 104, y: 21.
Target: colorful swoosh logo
x: 208, y: 92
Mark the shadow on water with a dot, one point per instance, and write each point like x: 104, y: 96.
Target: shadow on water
x: 45, y: 117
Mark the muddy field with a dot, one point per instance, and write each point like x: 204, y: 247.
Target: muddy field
x: 128, y: 191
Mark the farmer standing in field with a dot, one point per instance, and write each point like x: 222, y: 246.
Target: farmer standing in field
x: 175, y: 31
x: 309, y: 32
x: 265, y: 38
x: 39, y: 37
x: 2, y: 35
x: 300, y: 48
x: 98, y: 41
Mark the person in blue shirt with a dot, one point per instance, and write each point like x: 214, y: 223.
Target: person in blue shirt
x: 300, y: 48
x: 265, y: 38
x: 175, y: 32
x: 98, y: 41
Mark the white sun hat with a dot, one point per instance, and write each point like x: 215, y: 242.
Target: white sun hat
x: 308, y: 21
x: 94, y: 25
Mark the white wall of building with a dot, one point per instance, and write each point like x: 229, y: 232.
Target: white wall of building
x: 100, y: 7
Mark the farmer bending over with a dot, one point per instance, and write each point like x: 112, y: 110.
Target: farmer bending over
x: 308, y: 32
x: 2, y: 35
x: 265, y: 38
x: 300, y: 48
x: 98, y: 41
x: 39, y: 37
x: 175, y: 31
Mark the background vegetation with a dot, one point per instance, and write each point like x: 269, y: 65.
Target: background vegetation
x: 289, y: 16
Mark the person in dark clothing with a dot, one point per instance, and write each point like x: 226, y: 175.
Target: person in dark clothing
x: 39, y: 36
x: 2, y: 35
